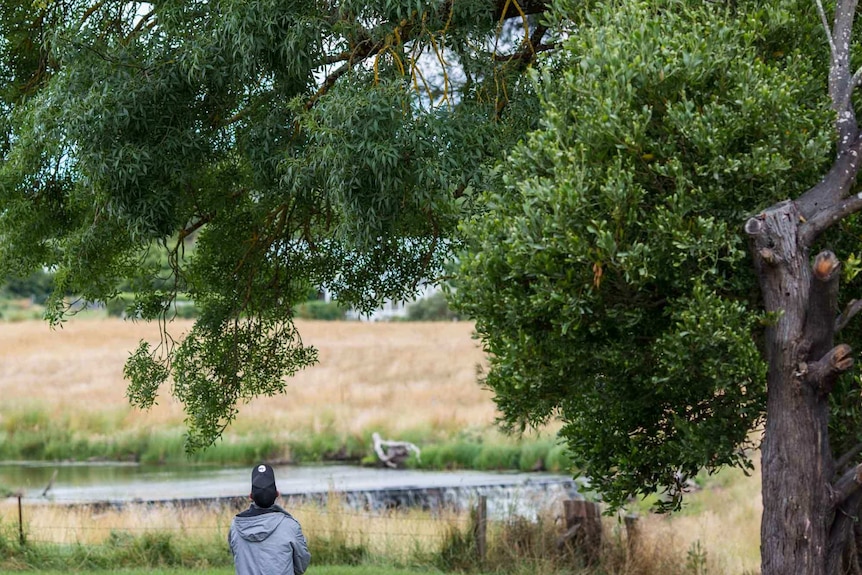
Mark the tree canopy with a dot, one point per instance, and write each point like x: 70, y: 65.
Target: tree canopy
x: 609, y: 276
x: 300, y: 144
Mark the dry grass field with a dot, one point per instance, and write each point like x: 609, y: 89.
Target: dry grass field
x: 396, y: 375
x: 392, y: 376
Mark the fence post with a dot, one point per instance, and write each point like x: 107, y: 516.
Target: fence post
x: 584, y: 525
x: 633, y: 534
x: 481, y: 527
x: 20, y: 522
x: 594, y: 530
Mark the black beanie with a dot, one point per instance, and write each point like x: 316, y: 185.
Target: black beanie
x: 263, y: 490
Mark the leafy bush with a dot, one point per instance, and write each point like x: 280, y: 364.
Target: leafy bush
x: 432, y: 308
x: 37, y: 286
x: 320, y: 310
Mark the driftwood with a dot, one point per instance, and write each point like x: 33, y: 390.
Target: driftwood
x: 393, y: 453
x: 50, y: 484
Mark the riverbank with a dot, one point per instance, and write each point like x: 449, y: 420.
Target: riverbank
x: 37, y: 434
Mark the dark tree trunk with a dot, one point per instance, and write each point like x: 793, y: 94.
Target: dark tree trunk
x: 796, y: 460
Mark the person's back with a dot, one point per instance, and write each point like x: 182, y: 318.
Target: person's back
x: 265, y: 539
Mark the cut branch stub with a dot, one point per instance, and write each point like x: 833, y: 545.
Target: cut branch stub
x: 754, y: 226
x: 823, y: 373
x: 826, y: 265
x: 822, y: 306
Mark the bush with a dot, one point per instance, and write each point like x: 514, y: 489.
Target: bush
x: 558, y: 460
x: 498, y: 457
x: 320, y: 310
x: 116, y: 307
x: 432, y: 308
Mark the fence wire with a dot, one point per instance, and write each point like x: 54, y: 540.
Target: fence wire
x: 59, y: 521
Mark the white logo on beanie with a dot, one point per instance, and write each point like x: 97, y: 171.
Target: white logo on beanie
x: 261, y: 468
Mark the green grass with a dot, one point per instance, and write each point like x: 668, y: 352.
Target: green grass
x: 312, y: 570
x: 32, y: 433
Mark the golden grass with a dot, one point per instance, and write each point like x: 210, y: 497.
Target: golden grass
x: 723, y: 519
x: 394, y: 375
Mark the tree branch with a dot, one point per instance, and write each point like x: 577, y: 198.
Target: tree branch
x: 850, y: 311
x: 327, y: 84
x: 819, y: 328
x: 851, y: 453
x: 503, y: 9
x: 193, y: 227
x: 840, y: 84
x: 842, y: 526
x: 835, y: 184
x: 515, y: 9
x: 846, y: 485
x: 829, y: 216
x: 90, y: 11
x: 525, y: 56
x: 826, y: 27
x: 823, y: 373
x: 141, y: 23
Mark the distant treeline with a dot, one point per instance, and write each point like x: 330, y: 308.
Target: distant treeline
x: 38, y: 287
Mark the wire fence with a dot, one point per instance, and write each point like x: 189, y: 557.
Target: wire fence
x: 59, y: 521
x: 419, y: 518
x: 392, y: 532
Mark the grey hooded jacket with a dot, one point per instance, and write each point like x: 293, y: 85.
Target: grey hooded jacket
x: 268, y: 541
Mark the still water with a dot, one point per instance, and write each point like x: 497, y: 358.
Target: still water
x: 81, y: 483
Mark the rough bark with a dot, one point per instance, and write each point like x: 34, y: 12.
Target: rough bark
x: 796, y: 461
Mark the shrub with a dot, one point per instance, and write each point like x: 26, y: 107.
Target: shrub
x: 432, y: 308
x: 320, y: 310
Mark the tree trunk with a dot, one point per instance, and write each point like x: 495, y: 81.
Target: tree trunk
x: 808, y: 513
x: 796, y: 459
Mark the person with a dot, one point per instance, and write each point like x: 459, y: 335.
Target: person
x: 265, y: 539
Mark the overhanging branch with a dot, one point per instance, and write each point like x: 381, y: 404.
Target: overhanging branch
x: 846, y: 485
x: 515, y: 8
x: 828, y: 217
x: 407, y: 31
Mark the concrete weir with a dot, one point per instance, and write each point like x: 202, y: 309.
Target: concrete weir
x: 504, y: 499
x: 361, y: 488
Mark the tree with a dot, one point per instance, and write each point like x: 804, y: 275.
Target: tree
x: 647, y: 273
x: 302, y: 145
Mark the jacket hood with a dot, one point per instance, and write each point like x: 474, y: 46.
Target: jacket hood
x: 258, y: 527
